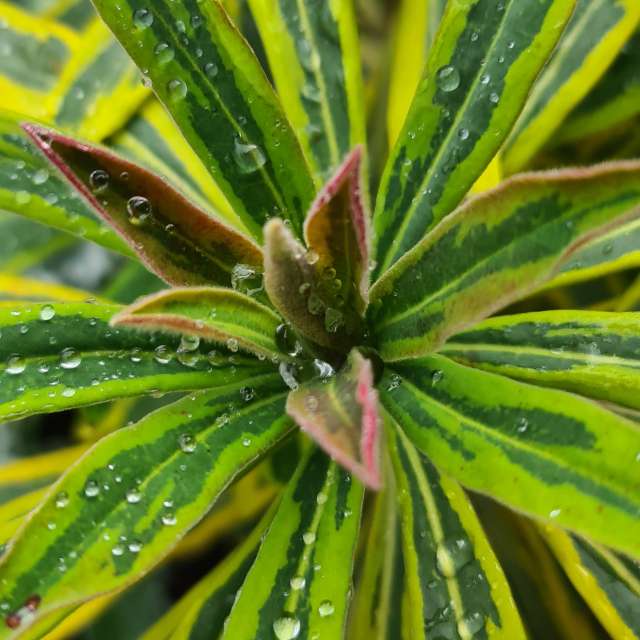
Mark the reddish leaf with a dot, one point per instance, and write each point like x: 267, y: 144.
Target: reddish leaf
x: 341, y: 414
x: 177, y: 240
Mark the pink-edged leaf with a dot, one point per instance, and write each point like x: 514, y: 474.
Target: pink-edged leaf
x: 342, y: 415
x: 218, y: 314
x: 337, y: 232
x: 177, y: 240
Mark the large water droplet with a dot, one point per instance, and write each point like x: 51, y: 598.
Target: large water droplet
x: 162, y: 354
x: 142, y: 18
x: 164, y: 53
x: 286, y: 628
x: 16, y: 364
x: 91, y: 489
x: 309, y: 537
x: 62, y: 499
x: 40, y: 176
x: 139, y: 209
x: 177, y: 89
x: 249, y: 157
x: 326, y: 609
x: 448, y: 78
x: 70, y: 358
x: 133, y: 496
x: 187, y: 443
x: 99, y: 180
x: 297, y: 583
x: 47, y: 312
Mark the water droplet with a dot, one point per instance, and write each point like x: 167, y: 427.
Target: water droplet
x: 246, y: 279
x: 248, y: 157
x: 164, y: 52
x: 522, y: 425
x: 177, y: 89
x: 309, y: 537
x: 99, y: 180
x: 118, y: 550
x: 333, y: 320
x: 142, y: 18
x: 91, y: 489
x: 133, y: 496
x: 139, y: 209
x: 321, y: 498
x: 555, y: 513
x: 247, y: 393
x: 40, y: 176
x: 135, y: 546
x: 47, y: 312
x: 297, y: 583
x: 211, y: 69
x: 162, y: 354
x: 246, y: 442
x: 62, y: 500
x: 436, y: 377
x: 286, y: 628
x: 169, y: 519
x: 448, y: 78
x: 232, y: 344
x: 494, y: 98
x: 470, y: 625
x: 485, y: 79
x: 452, y: 555
x: 16, y: 364
x: 463, y: 134
x: 187, y: 443
x: 326, y: 609
x: 70, y: 358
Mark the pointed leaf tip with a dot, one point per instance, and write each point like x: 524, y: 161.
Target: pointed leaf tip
x: 343, y: 417
x: 176, y: 239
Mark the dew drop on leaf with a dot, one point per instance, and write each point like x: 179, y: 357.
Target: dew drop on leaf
x: 99, y: 180
x: 177, y: 89
x: 70, y: 358
x: 135, y: 546
x: 168, y: 519
x: 297, y: 583
x: 470, y: 625
x: 138, y: 209
x: 309, y: 537
x: 118, y: 550
x: 142, y: 18
x: 164, y: 53
x: 326, y: 609
x: 16, y: 364
x: 47, y: 312
x: 40, y: 176
x: 448, y: 78
x: 187, y: 443
x: 162, y: 354
x: 91, y: 489
x: 62, y: 499
x: 248, y: 157
x: 452, y: 555
x: 286, y: 628
x: 133, y: 496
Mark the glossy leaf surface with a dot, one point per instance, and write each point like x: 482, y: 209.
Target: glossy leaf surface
x: 455, y: 585
x: 301, y: 577
x: 221, y: 101
x: 591, y: 353
x: 228, y: 317
x: 145, y: 485
x: 476, y: 80
x: 312, y: 48
x: 494, y: 250
x: 341, y: 414
x: 547, y: 453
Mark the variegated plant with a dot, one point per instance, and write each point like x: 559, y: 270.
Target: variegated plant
x: 287, y: 304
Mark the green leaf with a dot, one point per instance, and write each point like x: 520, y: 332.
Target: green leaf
x: 455, y: 584
x: 213, y: 86
x: 477, y: 77
x: 614, y: 99
x: 178, y: 241
x: 201, y: 612
x: 341, y: 414
x: 547, y: 453
x: 336, y: 230
x: 221, y: 315
x: 131, y: 498
x: 594, y: 36
x: 595, y: 354
x: 58, y: 356
x: 31, y: 188
x: 496, y: 249
x: 300, y: 582
x: 608, y: 581
x: 313, y: 54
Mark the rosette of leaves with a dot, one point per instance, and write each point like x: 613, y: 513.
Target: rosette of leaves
x: 291, y: 305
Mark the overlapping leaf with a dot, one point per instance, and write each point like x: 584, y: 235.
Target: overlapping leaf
x: 214, y: 88
x: 341, y: 414
x: 123, y: 507
x: 454, y: 582
x: 313, y: 54
x: 594, y: 354
x: 299, y: 584
x: 474, y: 85
x: 57, y: 356
x: 176, y: 239
x: 608, y: 581
x: 220, y: 315
x: 545, y: 452
x: 594, y: 36
x: 496, y: 249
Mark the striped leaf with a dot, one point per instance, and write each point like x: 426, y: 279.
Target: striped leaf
x: 566, y: 459
x: 594, y: 354
x: 201, y: 612
x: 82, y: 82
x: 608, y: 581
x: 336, y: 230
x: 614, y: 99
x: 377, y: 606
x: 31, y: 188
x: 341, y: 414
x: 300, y: 582
x: 57, y: 356
x: 594, y: 37
x: 455, y: 584
x: 494, y: 250
x: 213, y: 86
x: 473, y: 87
x: 152, y: 139
x: 220, y: 315
x: 130, y: 499
x: 178, y: 241
x: 313, y: 53
x: 416, y: 28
